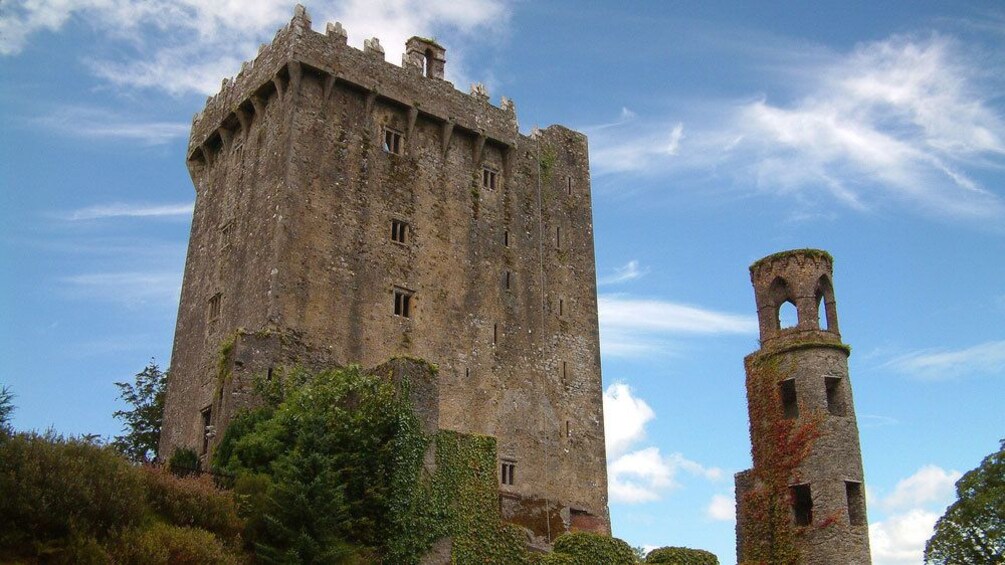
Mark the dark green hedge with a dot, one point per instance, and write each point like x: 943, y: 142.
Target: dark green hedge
x: 681, y: 556
x: 594, y: 549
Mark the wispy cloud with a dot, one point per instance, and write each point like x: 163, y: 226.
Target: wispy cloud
x: 97, y: 123
x: 929, y: 484
x: 907, y: 121
x: 121, y: 210
x: 983, y: 359
x: 128, y: 288
x: 627, y: 272
x: 722, y: 508
x: 188, y: 46
x: 641, y: 475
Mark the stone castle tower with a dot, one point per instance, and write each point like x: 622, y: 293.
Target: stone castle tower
x: 349, y: 210
x: 809, y: 484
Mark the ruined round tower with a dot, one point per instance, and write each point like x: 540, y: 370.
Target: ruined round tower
x: 804, y: 499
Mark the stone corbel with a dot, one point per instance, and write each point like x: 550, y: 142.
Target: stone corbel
x: 448, y: 133
x: 479, y: 146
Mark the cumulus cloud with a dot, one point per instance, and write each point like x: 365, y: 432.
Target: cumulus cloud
x: 627, y: 272
x: 189, y: 45
x: 912, y: 509
x: 983, y: 359
x: 641, y: 475
x: 907, y: 121
x: 722, y: 508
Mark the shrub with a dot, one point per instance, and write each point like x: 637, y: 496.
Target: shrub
x: 183, y: 462
x: 192, y: 501
x: 594, y: 549
x: 556, y: 559
x: 681, y: 556
x: 56, y: 492
x: 163, y: 544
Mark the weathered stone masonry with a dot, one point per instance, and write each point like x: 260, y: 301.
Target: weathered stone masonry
x: 349, y: 210
x: 826, y: 492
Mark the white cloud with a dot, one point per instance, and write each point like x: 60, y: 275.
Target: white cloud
x: 627, y: 272
x: 129, y: 288
x: 184, y: 46
x: 625, y: 419
x: 983, y: 359
x: 722, y: 508
x: 914, y: 506
x: 120, y: 210
x: 900, y: 539
x: 642, y: 475
x: 929, y: 484
x: 903, y: 122
x: 98, y: 123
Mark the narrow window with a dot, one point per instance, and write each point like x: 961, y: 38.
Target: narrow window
x: 506, y: 238
x: 227, y: 235
x: 268, y: 374
x: 467, y: 372
x: 508, y: 472
x: 787, y: 390
x: 402, y: 303
x: 802, y: 504
x: 392, y: 141
x: 788, y: 317
x: 835, y: 400
x: 508, y: 276
x: 565, y: 371
x: 399, y: 231
x: 856, y: 503
x: 561, y: 307
x: 495, y: 333
x: 558, y: 238
x: 488, y: 178
x: 214, y: 307
x: 568, y: 430
x: 207, y: 418
x: 568, y: 182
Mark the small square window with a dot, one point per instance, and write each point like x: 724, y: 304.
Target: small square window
x: 399, y: 231
x: 508, y: 472
x: 835, y: 398
x: 214, y: 307
x: 802, y: 504
x: 392, y: 141
x: 402, y: 303
x: 488, y: 178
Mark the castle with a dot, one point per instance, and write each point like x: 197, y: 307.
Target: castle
x: 805, y: 494
x: 349, y: 210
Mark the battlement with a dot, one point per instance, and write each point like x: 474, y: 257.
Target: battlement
x: 417, y: 84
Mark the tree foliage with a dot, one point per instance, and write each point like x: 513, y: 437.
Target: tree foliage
x: 6, y: 408
x: 973, y: 528
x: 142, y: 423
x: 681, y: 556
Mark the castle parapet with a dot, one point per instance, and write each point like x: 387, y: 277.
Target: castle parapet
x: 297, y: 49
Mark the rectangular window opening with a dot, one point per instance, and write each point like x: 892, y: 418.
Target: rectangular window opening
x: 495, y: 333
x: 207, y: 419
x: 856, y: 503
x: 488, y: 178
x: 268, y: 374
x: 561, y: 307
x: 402, y: 303
x: 214, y: 307
x: 835, y: 400
x: 506, y: 238
x: 508, y: 276
x: 787, y: 390
x: 568, y: 181
x: 467, y: 372
x: 565, y: 371
x: 568, y: 430
x: 802, y: 504
x: 392, y: 141
x: 508, y: 472
x: 558, y: 238
x: 399, y: 231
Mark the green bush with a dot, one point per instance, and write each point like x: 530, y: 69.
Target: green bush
x: 163, y: 544
x: 555, y: 559
x: 183, y: 462
x: 192, y: 501
x: 56, y: 493
x: 681, y: 556
x: 594, y: 549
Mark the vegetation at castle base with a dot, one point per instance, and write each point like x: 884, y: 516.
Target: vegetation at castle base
x: 587, y: 548
x: 142, y: 423
x: 779, y: 446
x: 65, y: 500
x: 973, y: 528
x: 681, y: 556
x: 331, y: 469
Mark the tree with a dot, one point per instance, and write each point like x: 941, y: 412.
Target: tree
x: 6, y: 408
x: 142, y: 424
x: 973, y: 529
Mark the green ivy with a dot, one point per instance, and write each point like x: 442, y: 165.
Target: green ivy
x: 587, y: 548
x: 681, y: 556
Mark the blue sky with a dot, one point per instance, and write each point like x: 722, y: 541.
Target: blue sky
x: 719, y: 133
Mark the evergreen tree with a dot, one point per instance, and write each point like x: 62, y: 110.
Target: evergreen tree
x: 142, y: 424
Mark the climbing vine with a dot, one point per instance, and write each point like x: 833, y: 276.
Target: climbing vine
x: 779, y: 446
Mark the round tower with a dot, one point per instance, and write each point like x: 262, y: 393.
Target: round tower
x: 802, y: 420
